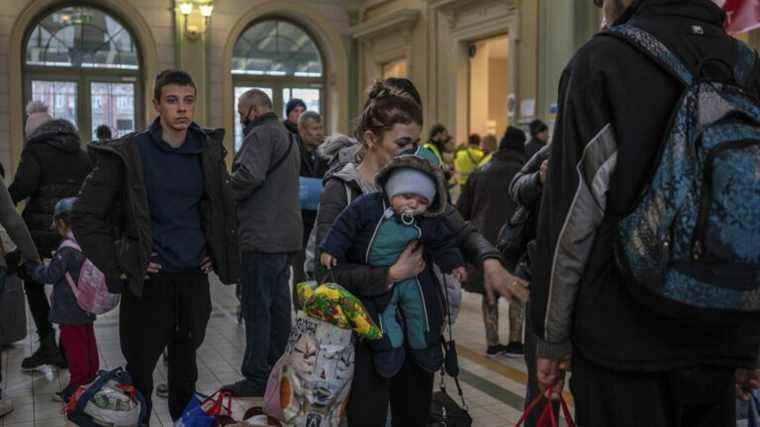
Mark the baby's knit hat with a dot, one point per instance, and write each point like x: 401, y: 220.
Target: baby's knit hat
x: 410, y: 181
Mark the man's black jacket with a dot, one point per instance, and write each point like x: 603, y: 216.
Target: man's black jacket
x: 114, y: 198
x: 615, y: 104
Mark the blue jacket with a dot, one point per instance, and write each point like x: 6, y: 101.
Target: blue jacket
x: 361, y: 220
x: 64, y: 309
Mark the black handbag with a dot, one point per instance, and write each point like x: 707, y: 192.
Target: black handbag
x: 514, y: 236
x: 445, y: 411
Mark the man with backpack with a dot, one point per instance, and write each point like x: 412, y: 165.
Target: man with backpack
x: 627, y: 278
x: 156, y: 216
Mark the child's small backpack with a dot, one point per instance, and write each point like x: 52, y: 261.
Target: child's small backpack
x: 90, y: 290
x: 691, y: 248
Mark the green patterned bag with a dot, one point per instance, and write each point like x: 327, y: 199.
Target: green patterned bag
x: 331, y: 303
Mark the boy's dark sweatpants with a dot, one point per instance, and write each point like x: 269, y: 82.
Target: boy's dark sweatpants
x: 173, y: 311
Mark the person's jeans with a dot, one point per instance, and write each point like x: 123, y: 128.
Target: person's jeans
x: 266, y: 311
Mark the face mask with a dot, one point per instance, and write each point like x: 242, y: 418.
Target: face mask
x: 246, y: 122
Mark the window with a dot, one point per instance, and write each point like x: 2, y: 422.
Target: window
x: 81, y: 53
x: 282, y: 59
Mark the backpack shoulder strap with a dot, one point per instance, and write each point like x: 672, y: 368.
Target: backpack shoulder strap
x: 746, y: 61
x: 654, y: 49
x: 284, y: 157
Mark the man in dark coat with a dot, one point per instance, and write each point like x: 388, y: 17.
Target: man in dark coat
x: 615, y: 104
x: 265, y: 186
x: 539, y: 136
x: 313, y: 169
x: 293, y: 110
x: 53, y: 167
x: 486, y: 203
x: 156, y: 216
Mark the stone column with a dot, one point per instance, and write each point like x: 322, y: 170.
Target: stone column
x: 191, y: 42
x: 564, y: 27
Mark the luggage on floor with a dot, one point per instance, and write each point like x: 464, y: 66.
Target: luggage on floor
x: 311, y: 382
x: 110, y: 400
x: 12, y: 311
x: 207, y: 411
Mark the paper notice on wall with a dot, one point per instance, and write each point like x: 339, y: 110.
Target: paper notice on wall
x: 528, y: 108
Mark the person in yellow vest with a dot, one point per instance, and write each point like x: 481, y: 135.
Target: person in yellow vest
x: 467, y: 159
x: 488, y: 145
x: 439, y: 144
x: 435, y: 147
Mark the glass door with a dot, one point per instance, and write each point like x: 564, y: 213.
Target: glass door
x: 311, y: 96
x: 113, y: 105
x: 61, y: 97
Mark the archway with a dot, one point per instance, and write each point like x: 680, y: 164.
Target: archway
x: 334, y: 100
x: 35, y: 12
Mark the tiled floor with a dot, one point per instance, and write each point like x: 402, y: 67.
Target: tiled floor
x: 493, y: 388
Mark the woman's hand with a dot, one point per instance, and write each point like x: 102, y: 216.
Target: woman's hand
x: 328, y: 261
x: 543, y: 171
x: 409, y: 264
x: 499, y: 282
x: 460, y: 273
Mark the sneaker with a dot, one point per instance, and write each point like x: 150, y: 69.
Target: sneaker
x: 496, y: 350
x: 6, y: 407
x: 244, y: 389
x: 514, y: 349
x: 47, y: 354
x: 162, y: 391
x: 58, y: 397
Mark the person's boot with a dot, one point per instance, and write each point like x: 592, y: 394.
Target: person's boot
x: 47, y: 354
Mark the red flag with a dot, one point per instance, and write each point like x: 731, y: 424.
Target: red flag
x: 743, y: 15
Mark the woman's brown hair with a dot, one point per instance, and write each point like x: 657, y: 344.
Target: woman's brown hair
x: 389, y: 102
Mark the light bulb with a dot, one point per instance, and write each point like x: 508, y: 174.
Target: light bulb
x: 186, y: 8
x: 206, y: 10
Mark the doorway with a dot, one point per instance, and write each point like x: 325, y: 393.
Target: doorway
x: 488, y: 86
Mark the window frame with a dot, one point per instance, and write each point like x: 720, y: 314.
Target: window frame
x: 279, y: 83
x: 85, y: 76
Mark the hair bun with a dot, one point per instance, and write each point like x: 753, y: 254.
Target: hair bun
x: 381, y: 90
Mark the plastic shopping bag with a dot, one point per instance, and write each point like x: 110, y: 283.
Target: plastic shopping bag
x: 310, y: 384
x: 547, y: 418
x: 205, y: 411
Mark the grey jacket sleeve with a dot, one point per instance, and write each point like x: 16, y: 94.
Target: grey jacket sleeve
x: 16, y: 227
x: 573, y: 205
x: 526, y: 187
x: 249, y: 170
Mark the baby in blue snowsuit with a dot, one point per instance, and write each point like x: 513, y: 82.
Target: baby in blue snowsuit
x: 375, y: 229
